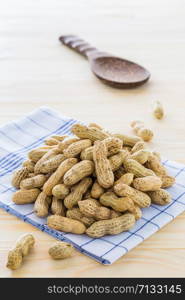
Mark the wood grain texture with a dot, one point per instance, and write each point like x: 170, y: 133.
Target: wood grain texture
x: 35, y: 69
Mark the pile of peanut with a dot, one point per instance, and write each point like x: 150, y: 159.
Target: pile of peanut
x: 94, y: 182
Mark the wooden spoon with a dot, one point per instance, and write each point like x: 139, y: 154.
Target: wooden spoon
x: 114, y: 71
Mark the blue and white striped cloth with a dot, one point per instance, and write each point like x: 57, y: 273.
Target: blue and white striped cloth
x: 19, y: 137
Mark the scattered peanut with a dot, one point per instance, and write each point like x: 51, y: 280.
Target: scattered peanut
x: 21, y: 249
x: 60, y: 250
x: 158, y: 110
x: 145, y: 133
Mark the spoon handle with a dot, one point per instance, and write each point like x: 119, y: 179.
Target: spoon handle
x: 77, y: 44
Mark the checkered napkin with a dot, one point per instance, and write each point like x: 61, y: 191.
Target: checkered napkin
x: 19, y: 137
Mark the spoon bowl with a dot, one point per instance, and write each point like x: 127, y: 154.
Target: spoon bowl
x: 118, y: 72
x: 114, y: 71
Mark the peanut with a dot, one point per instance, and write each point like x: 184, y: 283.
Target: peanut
x: 118, y: 204
x: 112, y: 226
x: 58, y: 175
x: 21, y: 249
x: 78, y: 172
x: 57, y: 207
x: 113, y: 145
x: 60, y: 250
x: 140, y: 156
x: 145, y: 133
x: 65, y: 224
x: 77, y: 192
x: 85, y: 132
x: 29, y: 165
x: 91, y: 208
x: 51, y: 141
x: 25, y: 196
x: 138, y: 146
x: 140, y: 198
x: 49, y: 154
x: 103, y: 170
x: 158, y: 110
x: 148, y: 183
x: 33, y: 182
x: 60, y: 191
x: 76, y: 214
x: 52, y: 164
x: 160, y: 197
x: 97, y: 190
x: 128, y: 140
x: 126, y: 178
x: 18, y: 176
x: 132, y: 166
x: 87, y: 154
x: 64, y: 144
x: 36, y: 154
x: 167, y: 181
x: 155, y: 165
x: 76, y: 148
x: 117, y: 160
x: 41, y: 206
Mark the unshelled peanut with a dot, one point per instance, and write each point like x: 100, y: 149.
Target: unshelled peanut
x: 105, y: 176
x: 140, y: 198
x: 78, y: 171
x: 160, y: 197
x: 76, y: 214
x: 58, y: 174
x: 97, y: 190
x: 18, y: 176
x: 60, y: 191
x: 36, y: 181
x: 60, y: 250
x: 134, y: 167
x: 25, y: 196
x: 148, y: 183
x: 91, y: 208
x: 21, y: 249
x: 57, y: 207
x: 112, y: 226
x: 76, y: 148
x: 85, y: 132
x: 77, y: 192
x: 65, y: 224
x: 120, y: 204
x: 41, y: 205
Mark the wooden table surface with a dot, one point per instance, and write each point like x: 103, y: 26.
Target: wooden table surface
x: 36, y: 70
